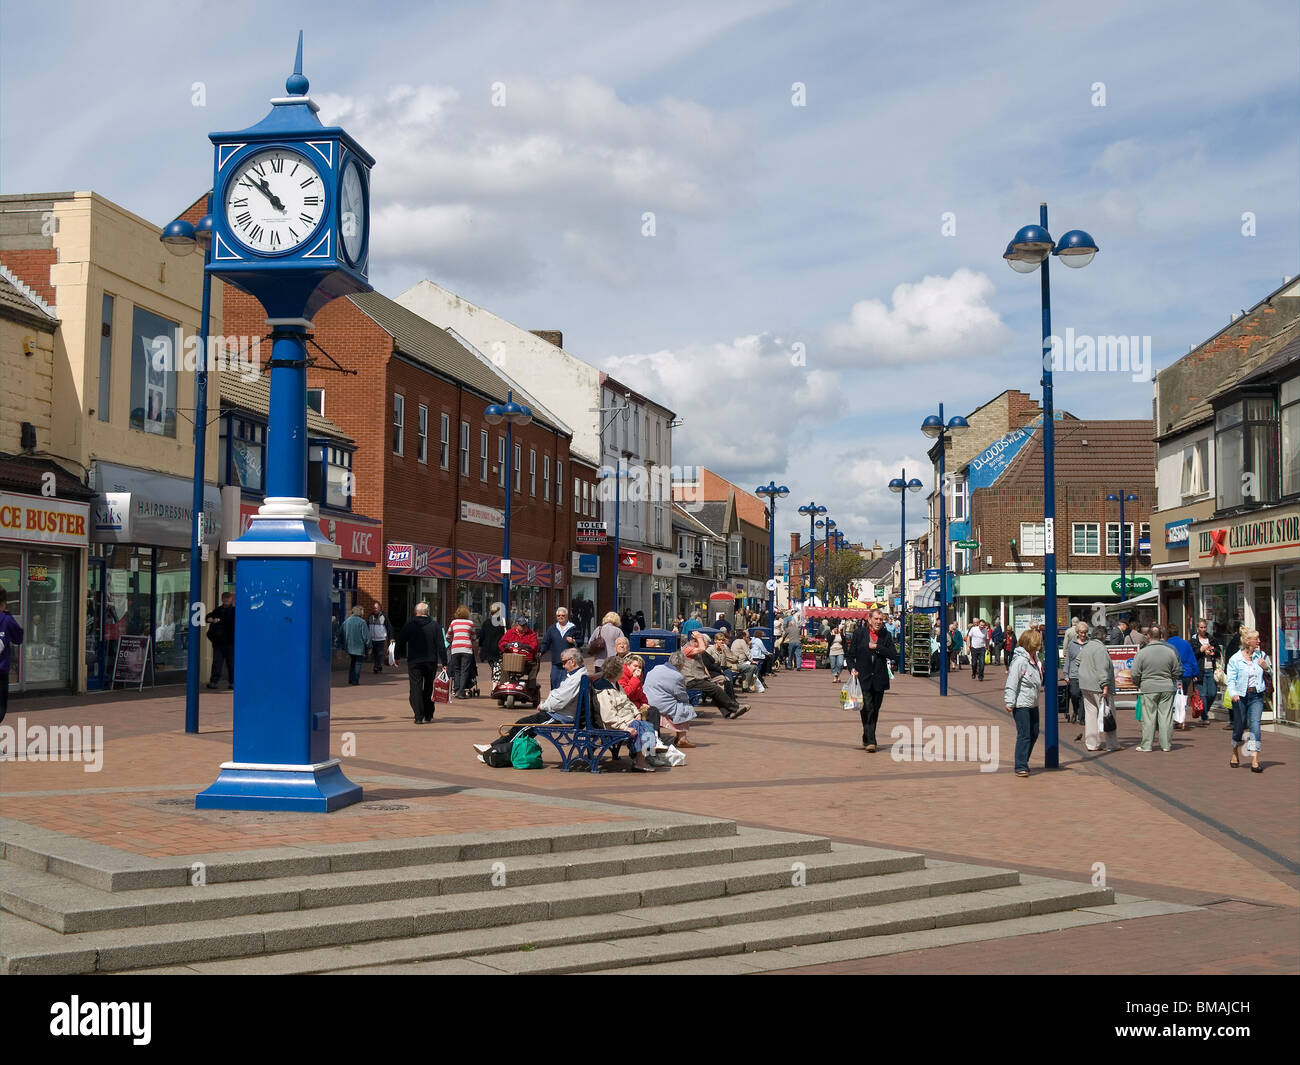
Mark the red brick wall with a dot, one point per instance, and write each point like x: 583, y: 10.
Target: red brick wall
x: 32, y: 266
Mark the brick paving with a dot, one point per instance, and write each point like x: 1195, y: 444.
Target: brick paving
x: 1181, y: 826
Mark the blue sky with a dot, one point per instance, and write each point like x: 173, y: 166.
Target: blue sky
x: 775, y: 225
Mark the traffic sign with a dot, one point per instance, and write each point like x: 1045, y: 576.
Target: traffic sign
x: 931, y: 575
x: 1131, y: 585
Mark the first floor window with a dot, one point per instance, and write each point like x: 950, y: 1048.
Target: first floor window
x: 422, y: 433
x: 559, y: 483
x: 316, y: 400
x: 1032, y: 541
x: 1196, y: 469
x: 1087, y: 538
x: 483, y: 455
x: 399, y: 422
x: 546, y: 477
x: 532, y: 471
x: 153, y: 373
x: 444, y: 443
x: 1112, y: 538
x: 464, y: 449
x: 519, y: 462
x: 501, y: 461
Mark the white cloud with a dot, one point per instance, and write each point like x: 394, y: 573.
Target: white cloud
x: 933, y: 320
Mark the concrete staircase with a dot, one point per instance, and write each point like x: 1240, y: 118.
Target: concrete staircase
x: 611, y: 896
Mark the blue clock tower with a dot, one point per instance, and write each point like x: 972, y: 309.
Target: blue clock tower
x: 291, y: 210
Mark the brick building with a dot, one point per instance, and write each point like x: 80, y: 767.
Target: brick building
x: 412, y: 396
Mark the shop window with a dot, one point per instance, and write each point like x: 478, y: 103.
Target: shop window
x: 153, y: 373
x: 1086, y: 538
x: 243, y: 445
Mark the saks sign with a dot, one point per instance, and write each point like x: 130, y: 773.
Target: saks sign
x: 1271, y: 538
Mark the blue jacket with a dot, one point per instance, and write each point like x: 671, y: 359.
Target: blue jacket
x: 556, y: 643
x: 1190, y: 667
x: 1243, y: 675
x: 11, y: 633
x: 665, y: 690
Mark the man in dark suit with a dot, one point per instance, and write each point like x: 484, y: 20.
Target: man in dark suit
x: 873, y: 650
x: 221, y: 631
x: 558, y: 639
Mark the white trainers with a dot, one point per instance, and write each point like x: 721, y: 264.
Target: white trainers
x: 482, y: 749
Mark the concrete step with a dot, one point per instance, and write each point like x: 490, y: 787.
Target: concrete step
x: 949, y: 878
x: 28, y: 947
x: 69, y: 907
x: 107, y: 869
x: 898, y: 918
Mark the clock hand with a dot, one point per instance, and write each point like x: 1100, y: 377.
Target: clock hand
x: 265, y: 189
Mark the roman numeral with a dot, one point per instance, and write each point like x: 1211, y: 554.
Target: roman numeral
x: 277, y: 164
x: 240, y: 203
x: 255, y: 233
x: 243, y: 219
x: 311, y: 201
x: 275, y: 238
x: 306, y: 219
x: 294, y: 170
x: 304, y: 184
x: 260, y: 171
x: 293, y: 233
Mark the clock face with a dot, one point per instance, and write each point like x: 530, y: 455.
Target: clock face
x: 352, y: 212
x: 275, y: 201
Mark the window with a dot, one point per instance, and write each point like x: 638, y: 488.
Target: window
x: 464, y: 449
x: 1087, y: 538
x: 444, y: 442
x: 316, y: 400
x: 1289, y: 399
x: 501, y: 461
x: 1032, y: 542
x: 329, y: 475
x: 546, y: 477
x: 559, y: 483
x: 532, y: 471
x: 153, y: 373
x: 959, y: 499
x: 519, y: 463
x: 399, y: 420
x: 1196, y: 469
x: 586, y: 508
x: 243, y: 444
x: 1246, y: 452
x: 1144, y: 533
x: 422, y: 433
x: 1112, y: 538
x: 105, y: 357
x: 735, y: 546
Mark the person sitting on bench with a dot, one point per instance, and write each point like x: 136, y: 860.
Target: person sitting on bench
x: 559, y: 706
x: 665, y: 690
x: 704, y: 675
x: 617, y: 711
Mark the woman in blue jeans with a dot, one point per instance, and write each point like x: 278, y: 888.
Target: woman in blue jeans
x: 1246, y: 688
x: 1024, y: 686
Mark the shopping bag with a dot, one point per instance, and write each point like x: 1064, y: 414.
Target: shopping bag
x: 1196, y: 704
x: 392, y: 652
x: 526, y: 752
x: 1109, y: 724
x: 1227, y: 699
x: 851, y: 694
x: 674, y: 757
x: 442, y: 687
x: 1138, y: 711
x: 1180, y: 708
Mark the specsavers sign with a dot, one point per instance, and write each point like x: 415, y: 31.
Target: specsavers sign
x: 1271, y: 535
x: 41, y: 520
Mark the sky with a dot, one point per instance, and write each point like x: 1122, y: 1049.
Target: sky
x: 784, y: 221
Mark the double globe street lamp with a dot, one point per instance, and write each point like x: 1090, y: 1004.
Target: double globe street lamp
x: 772, y: 492
x: 828, y: 524
x: 183, y: 238
x: 1122, y: 497
x: 812, y: 510
x: 902, y: 486
x: 1027, y: 252
x: 512, y: 414
x: 937, y: 429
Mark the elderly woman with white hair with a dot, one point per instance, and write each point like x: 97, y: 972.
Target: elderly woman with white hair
x: 665, y: 690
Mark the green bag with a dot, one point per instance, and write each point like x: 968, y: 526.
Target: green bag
x: 526, y: 753
x: 1139, y: 708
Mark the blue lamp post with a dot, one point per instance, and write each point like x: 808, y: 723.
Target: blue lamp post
x: 772, y: 491
x: 617, y: 477
x: 902, y: 486
x: 937, y: 429
x: 838, y: 542
x: 1123, y: 497
x: 812, y: 510
x: 291, y: 212
x: 182, y: 238
x: 512, y: 414
x: 1029, y: 250
x: 827, y: 524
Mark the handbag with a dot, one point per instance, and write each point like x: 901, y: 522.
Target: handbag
x: 596, y: 646
x: 1109, y: 724
x: 442, y: 687
x: 526, y: 752
x: 1196, y: 704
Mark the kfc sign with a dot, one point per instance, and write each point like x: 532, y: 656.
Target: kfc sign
x: 356, y: 542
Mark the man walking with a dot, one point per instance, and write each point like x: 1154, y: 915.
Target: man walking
x: 1072, y: 651
x: 355, y: 639
x: 995, y: 642
x: 379, y: 634
x: 11, y: 635
x: 1156, y: 671
x: 221, y: 631
x: 420, y: 643
x: 873, y: 650
x: 978, y: 637
x: 793, y: 641
x: 556, y: 640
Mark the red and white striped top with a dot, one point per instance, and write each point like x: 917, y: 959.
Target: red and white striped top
x: 461, y: 632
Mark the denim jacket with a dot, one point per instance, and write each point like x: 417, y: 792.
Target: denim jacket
x: 1243, y: 674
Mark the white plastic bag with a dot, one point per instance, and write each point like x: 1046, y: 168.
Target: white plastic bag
x: 1180, y: 708
x: 851, y: 694
x: 392, y: 652
x: 674, y: 757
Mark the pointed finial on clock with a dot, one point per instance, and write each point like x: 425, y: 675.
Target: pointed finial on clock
x: 296, y: 84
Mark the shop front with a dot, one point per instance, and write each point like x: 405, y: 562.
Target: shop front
x: 634, y: 574
x: 693, y: 594
x: 584, y: 581
x: 663, y: 591
x: 43, y: 544
x: 139, y: 571
x: 1016, y: 599
x: 478, y: 586
x: 417, y: 573
x: 1248, y: 576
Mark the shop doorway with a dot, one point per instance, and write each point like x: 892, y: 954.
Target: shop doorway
x: 96, y: 640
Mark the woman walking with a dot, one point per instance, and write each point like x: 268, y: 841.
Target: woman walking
x: 873, y: 650
x: 461, y: 636
x: 835, y: 651
x: 489, y: 639
x: 1246, y: 672
x: 1024, y: 685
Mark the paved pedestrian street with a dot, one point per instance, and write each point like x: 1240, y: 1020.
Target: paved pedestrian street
x: 1180, y: 831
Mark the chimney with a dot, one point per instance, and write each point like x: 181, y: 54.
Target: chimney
x: 794, y: 544
x: 551, y: 336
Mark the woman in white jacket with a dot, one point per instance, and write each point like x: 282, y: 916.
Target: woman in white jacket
x: 1024, y: 686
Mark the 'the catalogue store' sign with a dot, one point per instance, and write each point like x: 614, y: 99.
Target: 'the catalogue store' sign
x: 41, y: 520
x: 1269, y: 536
